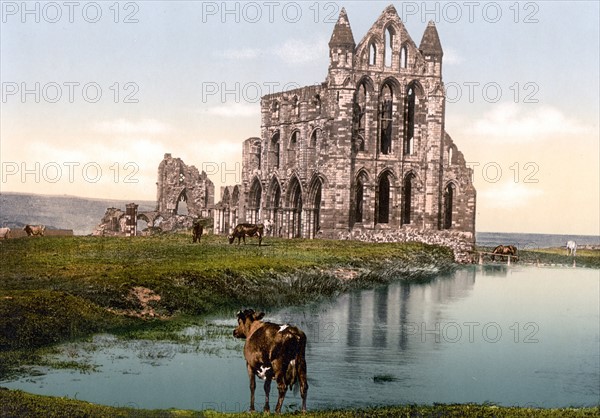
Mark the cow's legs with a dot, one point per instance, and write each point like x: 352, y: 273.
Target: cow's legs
x: 281, y: 387
x: 267, y: 408
x: 302, y: 380
x: 252, y: 386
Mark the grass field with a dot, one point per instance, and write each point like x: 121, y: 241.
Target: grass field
x: 55, y: 289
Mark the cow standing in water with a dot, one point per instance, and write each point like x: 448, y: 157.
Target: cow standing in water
x: 241, y: 231
x: 272, y: 351
x: 572, y: 248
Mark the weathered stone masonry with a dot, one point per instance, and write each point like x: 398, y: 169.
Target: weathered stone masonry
x: 366, y: 150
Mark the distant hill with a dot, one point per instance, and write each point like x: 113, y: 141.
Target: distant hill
x: 80, y: 214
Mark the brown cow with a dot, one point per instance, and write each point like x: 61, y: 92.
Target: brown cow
x: 197, y: 230
x: 272, y: 351
x: 504, y: 250
x: 35, y: 230
x: 241, y: 231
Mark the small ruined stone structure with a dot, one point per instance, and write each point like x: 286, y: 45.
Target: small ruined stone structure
x: 177, y: 184
x: 363, y: 154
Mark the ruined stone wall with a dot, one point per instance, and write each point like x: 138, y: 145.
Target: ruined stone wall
x: 178, y: 182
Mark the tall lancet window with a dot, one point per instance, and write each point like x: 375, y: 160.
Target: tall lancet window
x: 409, y: 129
x: 388, y: 51
x: 386, y: 114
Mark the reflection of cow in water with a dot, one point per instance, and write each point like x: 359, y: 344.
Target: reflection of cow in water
x: 504, y: 250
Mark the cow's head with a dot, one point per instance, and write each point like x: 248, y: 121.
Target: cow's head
x: 245, y: 319
x: 230, y: 238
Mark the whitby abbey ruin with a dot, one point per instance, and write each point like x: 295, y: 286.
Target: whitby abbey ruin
x: 364, y: 155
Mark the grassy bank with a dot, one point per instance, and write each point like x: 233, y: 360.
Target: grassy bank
x: 554, y: 257
x: 56, y: 289
x: 17, y: 403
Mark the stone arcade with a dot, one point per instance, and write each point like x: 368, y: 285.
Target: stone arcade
x: 363, y: 155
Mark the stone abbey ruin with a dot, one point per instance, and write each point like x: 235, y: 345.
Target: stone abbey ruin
x: 363, y: 155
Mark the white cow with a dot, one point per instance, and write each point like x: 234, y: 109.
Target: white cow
x: 572, y: 248
x: 4, y: 233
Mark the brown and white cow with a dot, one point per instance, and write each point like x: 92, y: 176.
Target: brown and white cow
x: 273, y: 351
x: 4, y: 233
x: 35, y: 230
x: 241, y: 231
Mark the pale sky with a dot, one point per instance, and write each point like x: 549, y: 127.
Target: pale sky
x: 94, y: 94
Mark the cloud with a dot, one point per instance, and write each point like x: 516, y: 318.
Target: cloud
x: 292, y: 51
x: 145, y: 126
x: 234, y: 110
x: 512, y: 122
x: 240, y: 54
x: 510, y: 195
x: 452, y: 57
x: 296, y: 51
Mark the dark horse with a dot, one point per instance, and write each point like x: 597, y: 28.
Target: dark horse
x: 504, y: 250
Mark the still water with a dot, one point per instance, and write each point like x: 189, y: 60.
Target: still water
x: 508, y: 335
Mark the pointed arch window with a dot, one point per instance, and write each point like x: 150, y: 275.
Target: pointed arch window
x: 295, y: 106
x: 372, y: 54
x: 383, y: 199
x: 360, y: 195
x: 275, y: 148
x: 409, y: 120
x: 449, y: 193
x: 388, y: 46
x: 292, y: 147
x: 407, y: 198
x: 386, y: 121
x: 403, y: 57
x: 275, y: 110
x: 359, y: 117
x: 318, y: 104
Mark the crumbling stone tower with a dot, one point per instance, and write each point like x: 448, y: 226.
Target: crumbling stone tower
x: 365, y: 150
x: 177, y: 183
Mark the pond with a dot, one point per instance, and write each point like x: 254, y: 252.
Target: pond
x: 508, y: 335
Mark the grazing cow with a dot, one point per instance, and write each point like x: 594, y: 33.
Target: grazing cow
x: 272, y: 351
x: 197, y: 231
x: 572, y: 248
x: 504, y: 250
x: 35, y: 230
x: 4, y: 233
x: 268, y: 226
x: 241, y: 231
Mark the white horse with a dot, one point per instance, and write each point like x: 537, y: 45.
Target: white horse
x: 572, y: 248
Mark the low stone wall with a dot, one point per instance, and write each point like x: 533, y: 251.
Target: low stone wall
x: 461, y: 243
